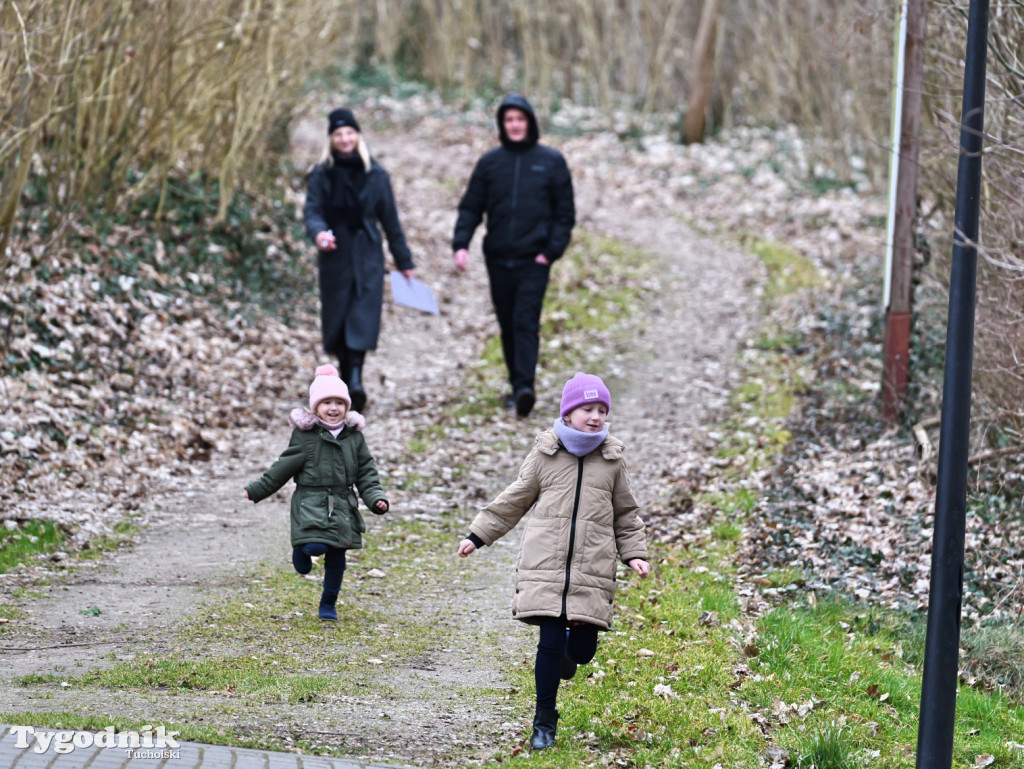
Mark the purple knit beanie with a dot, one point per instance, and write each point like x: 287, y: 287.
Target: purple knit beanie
x: 327, y: 384
x: 583, y: 389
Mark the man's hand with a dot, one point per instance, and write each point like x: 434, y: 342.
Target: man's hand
x: 541, y: 259
x: 466, y: 547
x: 461, y: 259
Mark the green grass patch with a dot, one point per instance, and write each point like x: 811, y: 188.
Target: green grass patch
x: 729, y: 531
x: 593, y: 287
x: 7, y: 613
x: 827, y: 681
x: 21, y: 545
x: 788, y: 270
x: 830, y: 748
x: 995, y: 654
x: 835, y: 683
x: 124, y: 532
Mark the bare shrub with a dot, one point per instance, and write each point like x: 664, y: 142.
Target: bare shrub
x: 999, y: 339
x: 823, y: 65
x: 101, y: 100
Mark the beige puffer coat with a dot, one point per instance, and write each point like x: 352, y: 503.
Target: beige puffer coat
x: 585, y: 514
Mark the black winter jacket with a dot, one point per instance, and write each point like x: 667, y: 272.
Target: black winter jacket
x: 525, y: 191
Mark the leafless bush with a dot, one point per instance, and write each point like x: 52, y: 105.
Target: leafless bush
x: 823, y: 65
x: 999, y: 340
x: 100, y: 100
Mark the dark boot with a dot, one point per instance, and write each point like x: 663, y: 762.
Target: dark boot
x: 525, y: 398
x: 544, y: 724
x: 354, y: 380
x: 327, y: 610
x: 355, y: 387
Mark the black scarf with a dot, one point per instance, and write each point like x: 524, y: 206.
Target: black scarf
x: 348, y: 178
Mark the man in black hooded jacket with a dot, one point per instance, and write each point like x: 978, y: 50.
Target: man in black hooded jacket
x: 524, y: 189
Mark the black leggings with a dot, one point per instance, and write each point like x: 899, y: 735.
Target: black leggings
x: 334, y: 568
x: 334, y: 563
x: 580, y: 646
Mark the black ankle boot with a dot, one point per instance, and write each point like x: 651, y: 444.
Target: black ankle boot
x: 355, y: 387
x: 544, y: 724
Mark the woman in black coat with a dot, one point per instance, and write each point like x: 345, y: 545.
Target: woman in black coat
x: 347, y: 194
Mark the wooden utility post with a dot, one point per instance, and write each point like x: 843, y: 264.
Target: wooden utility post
x: 899, y: 310
x: 703, y: 64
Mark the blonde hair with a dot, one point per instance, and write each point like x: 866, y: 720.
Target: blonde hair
x: 327, y: 158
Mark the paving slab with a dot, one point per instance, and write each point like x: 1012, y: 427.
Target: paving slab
x: 25, y: 747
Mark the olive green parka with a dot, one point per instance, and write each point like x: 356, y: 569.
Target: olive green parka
x: 328, y: 472
x: 585, y: 516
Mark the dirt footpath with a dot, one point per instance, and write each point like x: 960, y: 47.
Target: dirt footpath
x: 196, y: 542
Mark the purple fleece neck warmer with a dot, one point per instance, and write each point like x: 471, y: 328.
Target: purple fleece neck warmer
x: 578, y: 443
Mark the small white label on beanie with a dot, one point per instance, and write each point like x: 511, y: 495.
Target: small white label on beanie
x: 589, y: 394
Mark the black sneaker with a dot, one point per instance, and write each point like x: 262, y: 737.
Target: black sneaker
x: 525, y: 398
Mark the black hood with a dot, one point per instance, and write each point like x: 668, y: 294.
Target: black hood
x: 519, y: 102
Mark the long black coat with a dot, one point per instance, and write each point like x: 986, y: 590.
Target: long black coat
x: 352, y: 276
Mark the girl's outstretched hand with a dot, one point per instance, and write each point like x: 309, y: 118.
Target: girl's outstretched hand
x: 245, y: 493
x: 466, y: 547
x: 641, y: 567
x: 382, y: 505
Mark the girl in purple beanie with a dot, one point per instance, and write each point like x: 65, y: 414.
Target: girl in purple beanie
x: 585, y: 517
x: 329, y: 460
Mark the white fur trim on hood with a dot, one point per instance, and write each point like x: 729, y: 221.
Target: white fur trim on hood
x: 305, y: 420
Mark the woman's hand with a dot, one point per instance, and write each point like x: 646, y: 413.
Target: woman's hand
x: 466, y: 547
x: 461, y: 259
x: 407, y: 274
x: 325, y: 241
x: 641, y: 567
x: 541, y: 259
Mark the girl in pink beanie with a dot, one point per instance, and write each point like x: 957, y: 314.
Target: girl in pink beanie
x: 584, y: 519
x: 330, y: 462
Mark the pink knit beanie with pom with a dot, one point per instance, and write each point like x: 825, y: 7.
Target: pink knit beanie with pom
x: 327, y: 384
x: 583, y: 389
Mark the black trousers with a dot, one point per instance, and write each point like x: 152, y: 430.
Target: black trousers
x: 579, y: 644
x: 517, y: 290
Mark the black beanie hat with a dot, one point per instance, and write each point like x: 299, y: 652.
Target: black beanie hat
x: 341, y: 117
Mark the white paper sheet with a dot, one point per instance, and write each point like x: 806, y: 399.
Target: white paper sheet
x: 412, y: 292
